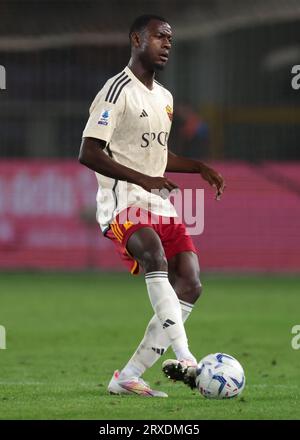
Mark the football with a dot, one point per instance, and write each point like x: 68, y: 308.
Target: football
x: 220, y: 376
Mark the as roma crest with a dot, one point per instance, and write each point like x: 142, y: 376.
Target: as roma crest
x: 169, y: 112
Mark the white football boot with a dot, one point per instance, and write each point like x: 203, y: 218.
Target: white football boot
x: 133, y: 385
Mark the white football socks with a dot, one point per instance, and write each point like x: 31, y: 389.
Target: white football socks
x: 165, y: 328
x: 154, y: 344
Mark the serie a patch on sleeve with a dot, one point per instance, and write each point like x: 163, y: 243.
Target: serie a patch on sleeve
x: 104, y: 118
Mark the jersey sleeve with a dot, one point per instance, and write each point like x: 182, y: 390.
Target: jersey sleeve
x: 104, y: 116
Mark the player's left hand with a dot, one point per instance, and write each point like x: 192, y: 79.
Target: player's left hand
x: 214, y: 179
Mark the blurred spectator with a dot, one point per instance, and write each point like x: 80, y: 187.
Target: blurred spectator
x: 190, y: 133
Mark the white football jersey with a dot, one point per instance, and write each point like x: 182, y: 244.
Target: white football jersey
x: 135, y: 123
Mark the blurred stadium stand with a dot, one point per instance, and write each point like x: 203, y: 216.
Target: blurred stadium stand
x: 230, y: 65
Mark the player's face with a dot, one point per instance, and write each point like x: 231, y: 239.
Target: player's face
x: 156, y: 43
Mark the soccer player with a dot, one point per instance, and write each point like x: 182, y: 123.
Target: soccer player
x: 125, y: 143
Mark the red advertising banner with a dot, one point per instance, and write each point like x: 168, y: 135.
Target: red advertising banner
x: 47, y: 218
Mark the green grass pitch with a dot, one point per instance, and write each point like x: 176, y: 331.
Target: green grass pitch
x: 66, y: 333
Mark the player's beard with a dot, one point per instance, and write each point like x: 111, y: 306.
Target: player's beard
x: 158, y: 67
x: 149, y: 63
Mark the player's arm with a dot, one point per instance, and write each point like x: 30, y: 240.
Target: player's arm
x: 92, y: 155
x: 180, y: 164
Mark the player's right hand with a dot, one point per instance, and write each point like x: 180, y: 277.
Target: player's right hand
x: 158, y: 185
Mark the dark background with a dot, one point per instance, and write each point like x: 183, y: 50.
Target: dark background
x: 230, y: 74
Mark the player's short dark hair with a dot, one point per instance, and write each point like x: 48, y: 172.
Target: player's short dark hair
x: 141, y: 22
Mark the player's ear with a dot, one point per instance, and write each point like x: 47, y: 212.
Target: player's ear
x: 135, y: 39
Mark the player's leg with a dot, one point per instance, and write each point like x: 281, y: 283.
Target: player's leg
x: 146, y: 247
x: 183, y: 271
x: 184, y: 274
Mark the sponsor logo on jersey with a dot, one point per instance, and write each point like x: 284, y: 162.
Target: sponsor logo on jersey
x: 104, y: 117
x: 169, y: 111
x: 149, y: 137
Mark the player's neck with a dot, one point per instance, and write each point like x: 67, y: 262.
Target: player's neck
x: 144, y: 75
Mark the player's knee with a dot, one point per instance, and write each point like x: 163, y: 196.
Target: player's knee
x: 154, y: 261
x: 199, y: 290
x: 191, y: 291
x: 195, y: 290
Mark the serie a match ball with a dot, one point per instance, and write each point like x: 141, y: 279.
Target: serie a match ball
x: 220, y: 376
